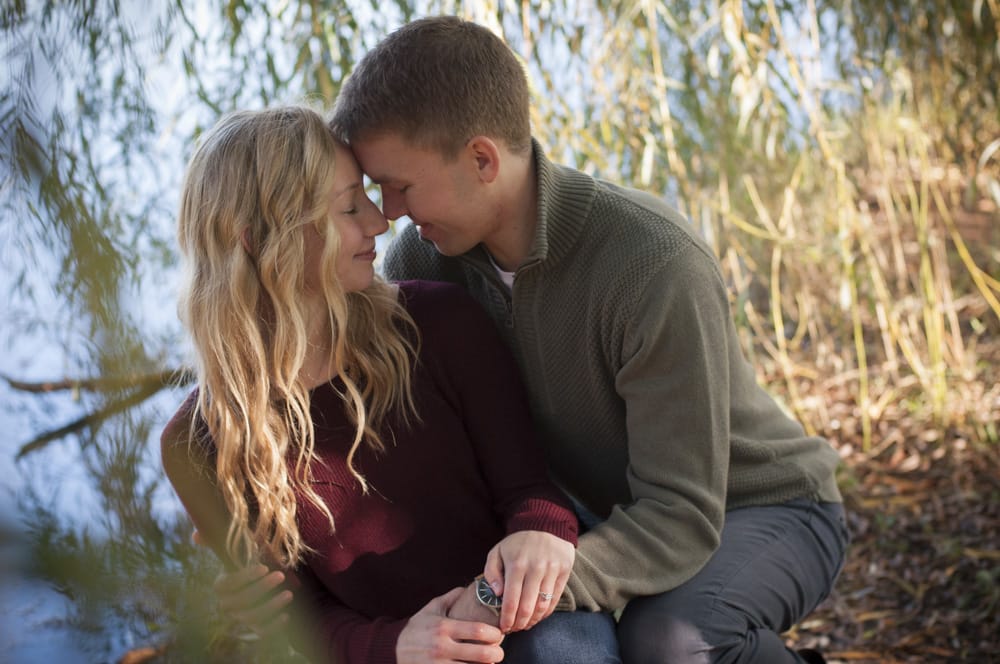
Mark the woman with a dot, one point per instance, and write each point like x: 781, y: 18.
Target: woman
x: 371, y: 440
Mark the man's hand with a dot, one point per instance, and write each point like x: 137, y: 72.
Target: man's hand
x: 430, y: 636
x: 529, y: 569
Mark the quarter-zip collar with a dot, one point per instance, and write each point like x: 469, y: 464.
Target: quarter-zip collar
x: 565, y: 197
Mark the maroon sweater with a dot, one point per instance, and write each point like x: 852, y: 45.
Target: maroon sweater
x: 446, y: 490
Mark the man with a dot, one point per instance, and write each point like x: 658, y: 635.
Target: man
x: 716, y: 523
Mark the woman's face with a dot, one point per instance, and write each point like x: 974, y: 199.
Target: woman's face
x: 357, y: 221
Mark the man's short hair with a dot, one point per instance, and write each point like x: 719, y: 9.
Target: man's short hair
x: 437, y: 81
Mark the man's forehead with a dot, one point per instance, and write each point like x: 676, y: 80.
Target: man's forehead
x: 391, y: 163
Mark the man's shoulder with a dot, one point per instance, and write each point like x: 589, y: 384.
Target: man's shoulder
x: 632, y: 239
x: 643, y: 209
x: 628, y: 226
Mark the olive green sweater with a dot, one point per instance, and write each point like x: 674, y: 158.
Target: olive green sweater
x: 649, y: 414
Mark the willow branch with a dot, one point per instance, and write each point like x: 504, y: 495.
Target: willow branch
x: 144, y: 387
x: 103, y: 383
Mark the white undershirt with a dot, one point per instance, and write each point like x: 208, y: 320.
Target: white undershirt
x: 506, y: 277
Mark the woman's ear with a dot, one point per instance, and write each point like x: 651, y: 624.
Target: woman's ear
x: 487, y: 155
x: 245, y: 239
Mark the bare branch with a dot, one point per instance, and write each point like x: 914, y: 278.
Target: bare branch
x: 177, y: 377
x: 92, y: 420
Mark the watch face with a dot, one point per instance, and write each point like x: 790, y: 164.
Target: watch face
x: 486, y: 594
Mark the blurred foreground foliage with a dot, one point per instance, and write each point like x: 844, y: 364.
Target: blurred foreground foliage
x: 841, y: 156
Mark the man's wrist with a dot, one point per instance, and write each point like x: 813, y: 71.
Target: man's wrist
x: 486, y: 596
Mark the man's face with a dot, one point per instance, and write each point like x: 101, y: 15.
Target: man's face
x: 439, y: 195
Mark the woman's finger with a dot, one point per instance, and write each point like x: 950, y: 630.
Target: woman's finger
x: 530, y: 601
x: 236, y: 597
x: 268, y: 617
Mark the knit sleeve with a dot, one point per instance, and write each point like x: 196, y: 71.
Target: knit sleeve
x: 674, y: 380
x: 328, y: 631
x: 481, y: 377
x: 187, y: 455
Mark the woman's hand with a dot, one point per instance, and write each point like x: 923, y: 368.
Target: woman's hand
x: 247, y: 596
x: 430, y: 636
x: 529, y: 570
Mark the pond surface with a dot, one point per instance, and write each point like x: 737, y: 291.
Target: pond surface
x: 49, y: 496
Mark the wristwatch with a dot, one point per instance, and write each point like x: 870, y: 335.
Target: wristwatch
x: 486, y: 596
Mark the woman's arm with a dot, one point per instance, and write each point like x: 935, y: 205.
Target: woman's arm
x: 255, y: 595
x: 325, y: 630
x: 271, y: 601
x: 531, y: 565
x: 430, y: 635
x: 188, y: 464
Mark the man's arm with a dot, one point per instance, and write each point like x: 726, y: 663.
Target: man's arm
x: 674, y: 380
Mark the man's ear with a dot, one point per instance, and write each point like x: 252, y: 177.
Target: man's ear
x: 486, y: 152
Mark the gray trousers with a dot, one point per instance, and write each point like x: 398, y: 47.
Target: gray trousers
x: 773, y: 566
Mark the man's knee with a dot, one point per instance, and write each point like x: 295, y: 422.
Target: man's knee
x: 663, y: 629
x: 695, y: 628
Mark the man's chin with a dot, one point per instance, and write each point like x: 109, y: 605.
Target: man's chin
x: 445, y: 248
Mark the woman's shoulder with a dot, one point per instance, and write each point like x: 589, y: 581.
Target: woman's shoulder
x: 444, y: 311
x: 183, y: 429
x: 434, y: 298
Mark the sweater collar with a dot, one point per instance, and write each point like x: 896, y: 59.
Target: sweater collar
x: 565, y: 197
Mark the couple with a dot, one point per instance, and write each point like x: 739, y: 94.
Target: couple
x: 373, y: 444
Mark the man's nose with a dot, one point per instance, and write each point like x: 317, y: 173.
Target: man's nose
x: 393, y: 203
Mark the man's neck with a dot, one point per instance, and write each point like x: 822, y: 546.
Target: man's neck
x: 518, y: 214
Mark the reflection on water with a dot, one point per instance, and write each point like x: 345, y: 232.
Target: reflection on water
x: 95, y: 551
x: 32, y: 615
x: 33, y: 626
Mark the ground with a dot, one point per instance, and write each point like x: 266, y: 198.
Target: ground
x: 922, y: 580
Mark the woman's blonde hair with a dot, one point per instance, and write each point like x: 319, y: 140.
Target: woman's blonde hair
x: 254, y: 182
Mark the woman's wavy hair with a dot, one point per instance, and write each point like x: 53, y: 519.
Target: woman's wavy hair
x: 255, y: 181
